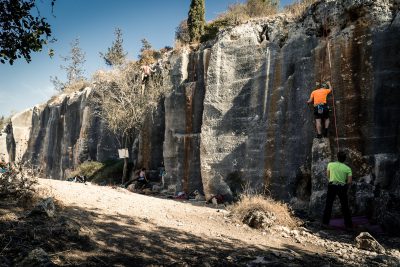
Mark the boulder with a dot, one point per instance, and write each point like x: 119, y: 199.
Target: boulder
x: 365, y: 241
x: 131, y: 187
x: 259, y: 219
x: 45, y: 207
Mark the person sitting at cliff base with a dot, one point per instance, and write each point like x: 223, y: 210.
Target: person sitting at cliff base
x: 141, y: 181
x: 321, y: 109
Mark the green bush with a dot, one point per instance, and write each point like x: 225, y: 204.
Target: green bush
x: 196, y: 20
x: 88, y: 168
x: 110, y: 173
x: 213, y: 28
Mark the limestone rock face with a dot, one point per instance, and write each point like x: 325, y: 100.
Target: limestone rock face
x: 321, y: 156
x: 237, y: 112
x: 183, y: 120
x: 62, y: 134
x: 256, y: 126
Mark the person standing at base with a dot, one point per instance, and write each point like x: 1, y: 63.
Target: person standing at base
x: 340, y: 176
x: 321, y: 109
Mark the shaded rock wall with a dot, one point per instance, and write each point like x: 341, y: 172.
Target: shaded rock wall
x: 65, y: 133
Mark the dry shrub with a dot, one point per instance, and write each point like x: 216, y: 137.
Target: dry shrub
x: 150, y: 56
x: 298, y: 8
x: 17, y: 183
x: 123, y: 101
x: 258, y: 202
x: 182, y: 33
x: 76, y: 86
x: 238, y: 14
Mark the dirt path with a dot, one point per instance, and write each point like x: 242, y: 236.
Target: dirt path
x: 128, y: 229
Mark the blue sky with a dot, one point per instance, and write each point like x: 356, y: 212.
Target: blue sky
x: 23, y: 85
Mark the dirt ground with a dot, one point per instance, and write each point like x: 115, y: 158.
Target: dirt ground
x: 114, y: 227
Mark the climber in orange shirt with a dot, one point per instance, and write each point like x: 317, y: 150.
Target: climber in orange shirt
x: 321, y: 109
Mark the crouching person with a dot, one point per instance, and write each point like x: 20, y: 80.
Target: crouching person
x: 142, y: 180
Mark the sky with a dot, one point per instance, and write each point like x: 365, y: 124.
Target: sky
x: 23, y: 85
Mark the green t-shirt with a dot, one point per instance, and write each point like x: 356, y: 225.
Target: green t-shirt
x: 338, y: 172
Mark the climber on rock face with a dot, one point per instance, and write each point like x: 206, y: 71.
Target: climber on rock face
x: 321, y: 110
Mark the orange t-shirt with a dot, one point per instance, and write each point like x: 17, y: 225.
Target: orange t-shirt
x: 319, y: 95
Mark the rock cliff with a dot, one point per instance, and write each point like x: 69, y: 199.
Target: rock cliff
x: 237, y: 112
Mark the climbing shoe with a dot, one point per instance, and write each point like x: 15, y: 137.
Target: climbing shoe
x: 319, y: 136
x: 325, y: 132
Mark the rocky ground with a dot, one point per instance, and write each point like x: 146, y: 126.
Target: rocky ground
x: 104, y: 226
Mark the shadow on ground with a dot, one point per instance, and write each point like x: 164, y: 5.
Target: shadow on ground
x: 126, y: 241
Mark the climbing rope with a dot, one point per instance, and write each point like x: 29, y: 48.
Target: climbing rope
x: 325, y: 34
x: 333, y: 97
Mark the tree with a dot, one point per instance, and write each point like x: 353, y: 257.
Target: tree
x: 196, y: 20
x: 146, y: 45
x: 119, y: 101
x: 21, y: 33
x: 73, y: 67
x: 115, y: 55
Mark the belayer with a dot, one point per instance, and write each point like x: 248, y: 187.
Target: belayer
x: 321, y: 109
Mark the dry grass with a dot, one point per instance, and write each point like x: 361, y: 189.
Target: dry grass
x: 298, y: 8
x: 76, y: 86
x: 258, y: 202
x: 238, y: 14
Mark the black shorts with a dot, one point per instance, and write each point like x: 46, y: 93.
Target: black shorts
x: 321, y: 112
x: 145, y: 78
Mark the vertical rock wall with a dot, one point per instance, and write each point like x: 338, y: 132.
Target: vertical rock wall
x: 65, y: 133
x: 183, y: 120
x: 257, y: 128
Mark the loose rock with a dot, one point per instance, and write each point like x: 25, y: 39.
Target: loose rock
x: 365, y: 241
x: 45, y: 207
x: 259, y: 219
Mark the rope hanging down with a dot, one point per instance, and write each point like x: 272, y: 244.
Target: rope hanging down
x: 333, y: 96
x: 325, y: 35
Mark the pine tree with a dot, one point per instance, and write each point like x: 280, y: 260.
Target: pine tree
x: 73, y: 67
x: 146, y: 45
x: 75, y: 60
x: 115, y: 55
x: 196, y: 20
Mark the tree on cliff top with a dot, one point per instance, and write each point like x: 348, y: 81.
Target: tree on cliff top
x: 115, y: 55
x: 21, y: 32
x: 119, y: 101
x: 196, y: 20
x: 73, y: 68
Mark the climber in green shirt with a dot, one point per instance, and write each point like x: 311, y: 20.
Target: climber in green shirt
x: 340, y: 176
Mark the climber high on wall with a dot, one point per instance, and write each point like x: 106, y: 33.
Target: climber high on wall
x: 321, y: 109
